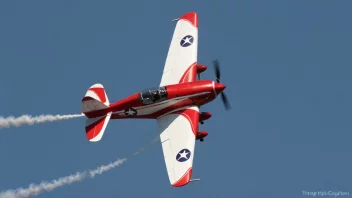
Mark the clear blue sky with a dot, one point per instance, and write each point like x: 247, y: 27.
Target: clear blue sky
x: 286, y: 64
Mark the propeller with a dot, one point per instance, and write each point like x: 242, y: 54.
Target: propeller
x: 217, y: 70
x: 224, y: 99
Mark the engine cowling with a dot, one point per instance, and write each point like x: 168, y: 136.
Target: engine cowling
x: 201, y: 68
x: 204, y: 116
x: 201, y: 135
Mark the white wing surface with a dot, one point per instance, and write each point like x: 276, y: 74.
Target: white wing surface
x: 181, y: 61
x: 178, y: 133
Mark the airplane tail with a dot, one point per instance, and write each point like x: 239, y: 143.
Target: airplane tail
x: 95, y: 105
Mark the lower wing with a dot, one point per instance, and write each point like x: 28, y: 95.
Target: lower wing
x: 178, y: 134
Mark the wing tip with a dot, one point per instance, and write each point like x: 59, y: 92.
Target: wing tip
x: 185, y: 179
x: 192, y: 17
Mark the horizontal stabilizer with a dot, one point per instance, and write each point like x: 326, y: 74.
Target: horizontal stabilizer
x: 95, y: 127
x: 95, y: 99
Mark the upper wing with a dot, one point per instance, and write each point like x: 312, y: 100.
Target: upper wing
x: 181, y: 61
x: 178, y: 133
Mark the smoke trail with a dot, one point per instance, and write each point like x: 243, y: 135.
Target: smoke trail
x: 27, y: 119
x: 45, y: 186
x: 105, y: 168
x: 36, y: 189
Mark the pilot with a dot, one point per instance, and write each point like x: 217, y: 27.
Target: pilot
x: 155, y: 95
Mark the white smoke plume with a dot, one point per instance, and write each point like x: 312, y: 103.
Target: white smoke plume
x: 45, y: 186
x: 105, y: 168
x: 29, y: 120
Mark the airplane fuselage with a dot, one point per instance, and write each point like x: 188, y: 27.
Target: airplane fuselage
x: 166, y: 99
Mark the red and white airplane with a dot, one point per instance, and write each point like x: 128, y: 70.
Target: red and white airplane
x: 174, y: 104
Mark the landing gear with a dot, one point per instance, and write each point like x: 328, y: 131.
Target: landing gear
x: 202, y: 140
x: 201, y: 122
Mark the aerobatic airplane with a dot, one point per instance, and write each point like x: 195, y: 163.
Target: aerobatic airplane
x: 174, y: 104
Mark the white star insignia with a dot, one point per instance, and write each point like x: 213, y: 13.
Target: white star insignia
x: 187, y: 40
x: 130, y: 112
x: 183, y: 155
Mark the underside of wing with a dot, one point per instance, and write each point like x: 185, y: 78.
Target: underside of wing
x: 181, y: 61
x: 177, y: 134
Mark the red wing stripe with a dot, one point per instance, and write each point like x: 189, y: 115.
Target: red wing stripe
x: 191, y: 122
x: 192, y: 18
x: 190, y: 74
x: 193, y: 118
x: 184, y: 179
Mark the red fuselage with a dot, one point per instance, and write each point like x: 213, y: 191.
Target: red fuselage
x: 165, y: 100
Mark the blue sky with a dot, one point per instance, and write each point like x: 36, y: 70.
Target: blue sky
x: 286, y: 64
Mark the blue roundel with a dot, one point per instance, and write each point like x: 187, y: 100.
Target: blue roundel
x: 183, y: 155
x: 187, y: 41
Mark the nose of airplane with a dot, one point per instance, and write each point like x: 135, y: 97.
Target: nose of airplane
x: 219, y: 87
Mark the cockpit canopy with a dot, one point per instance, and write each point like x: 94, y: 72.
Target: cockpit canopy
x: 152, y: 95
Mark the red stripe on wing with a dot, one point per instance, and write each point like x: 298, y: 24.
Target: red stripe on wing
x: 191, y: 17
x: 192, y: 116
x: 184, y: 179
x: 190, y: 74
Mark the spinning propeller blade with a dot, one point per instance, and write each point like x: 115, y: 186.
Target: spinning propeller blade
x: 218, y: 75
